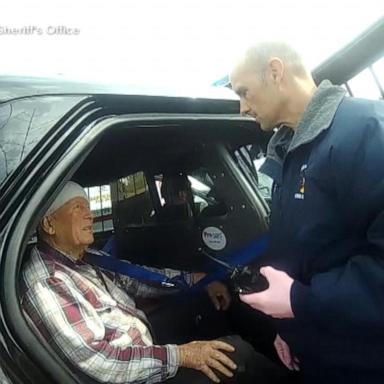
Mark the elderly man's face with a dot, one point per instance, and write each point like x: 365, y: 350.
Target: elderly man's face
x: 72, y: 224
x: 259, y: 97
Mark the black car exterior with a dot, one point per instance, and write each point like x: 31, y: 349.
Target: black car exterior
x: 46, y: 128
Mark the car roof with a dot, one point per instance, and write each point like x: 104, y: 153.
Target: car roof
x: 14, y: 87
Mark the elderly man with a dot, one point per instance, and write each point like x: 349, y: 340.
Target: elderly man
x: 89, y: 317
x: 325, y: 265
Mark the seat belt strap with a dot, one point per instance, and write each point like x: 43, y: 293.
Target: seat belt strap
x: 131, y: 270
x: 238, y: 260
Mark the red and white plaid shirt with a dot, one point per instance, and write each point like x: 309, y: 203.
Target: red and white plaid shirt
x: 88, y: 316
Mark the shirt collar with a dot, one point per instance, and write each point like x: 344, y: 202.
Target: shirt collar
x: 57, y: 255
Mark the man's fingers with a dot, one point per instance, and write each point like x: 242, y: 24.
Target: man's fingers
x: 221, y: 301
x: 225, y: 301
x: 208, y: 372
x: 221, y: 345
x: 284, y: 353
x: 247, y: 299
x: 287, y: 363
x: 287, y: 356
x: 266, y: 271
x: 283, y: 358
x: 221, y: 357
x: 295, y: 363
x: 255, y: 300
x: 215, y: 300
x: 213, y: 363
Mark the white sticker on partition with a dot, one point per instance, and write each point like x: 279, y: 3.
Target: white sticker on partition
x: 214, y: 238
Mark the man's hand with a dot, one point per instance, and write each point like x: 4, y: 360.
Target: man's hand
x: 284, y: 354
x: 216, y: 290
x: 219, y: 295
x: 205, y: 356
x: 274, y: 301
x: 197, y: 276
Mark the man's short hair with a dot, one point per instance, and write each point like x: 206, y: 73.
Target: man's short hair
x: 259, y: 54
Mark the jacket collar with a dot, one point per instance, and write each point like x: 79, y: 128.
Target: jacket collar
x: 317, y: 117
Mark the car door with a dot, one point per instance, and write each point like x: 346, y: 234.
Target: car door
x: 31, y: 129
x: 38, y: 169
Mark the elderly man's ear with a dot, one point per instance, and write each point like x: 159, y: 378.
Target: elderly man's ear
x: 47, y: 225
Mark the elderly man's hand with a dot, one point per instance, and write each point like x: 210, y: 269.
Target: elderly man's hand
x: 205, y: 356
x: 219, y: 294
x: 274, y: 301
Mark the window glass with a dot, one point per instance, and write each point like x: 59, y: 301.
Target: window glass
x: 23, y: 123
x: 101, y: 207
x: 346, y: 88
x: 264, y: 184
x: 134, y: 204
x: 378, y: 68
x: 131, y: 186
x: 364, y: 85
x: 195, y: 190
x: 249, y: 160
x: 202, y: 189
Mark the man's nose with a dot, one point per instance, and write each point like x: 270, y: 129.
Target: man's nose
x: 88, y: 213
x: 244, y: 107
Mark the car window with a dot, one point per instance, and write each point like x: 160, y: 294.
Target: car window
x: 23, y: 123
x: 264, y: 182
x: 133, y: 201
x: 101, y: 207
x: 205, y: 195
x: 249, y: 160
x: 364, y: 85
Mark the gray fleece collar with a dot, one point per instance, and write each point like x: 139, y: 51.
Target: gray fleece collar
x: 317, y: 117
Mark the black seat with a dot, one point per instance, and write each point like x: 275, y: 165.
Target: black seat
x: 181, y: 212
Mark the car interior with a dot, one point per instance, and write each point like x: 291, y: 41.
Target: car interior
x: 140, y: 174
x: 156, y: 191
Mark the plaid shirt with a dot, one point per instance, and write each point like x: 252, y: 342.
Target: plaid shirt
x: 89, y: 316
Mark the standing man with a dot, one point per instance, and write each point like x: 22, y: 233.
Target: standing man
x: 325, y: 264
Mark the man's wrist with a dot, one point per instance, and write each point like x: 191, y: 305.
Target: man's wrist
x: 182, y: 355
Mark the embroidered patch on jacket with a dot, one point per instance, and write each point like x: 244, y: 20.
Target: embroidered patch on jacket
x: 301, y: 190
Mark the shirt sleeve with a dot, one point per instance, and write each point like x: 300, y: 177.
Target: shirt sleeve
x: 74, y: 327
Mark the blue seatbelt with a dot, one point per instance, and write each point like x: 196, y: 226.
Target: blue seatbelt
x: 132, y: 270
x: 238, y: 260
x: 110, y: 247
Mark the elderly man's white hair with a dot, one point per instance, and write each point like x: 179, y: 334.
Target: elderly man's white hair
x: 258, y: 56
x: 69, y: 192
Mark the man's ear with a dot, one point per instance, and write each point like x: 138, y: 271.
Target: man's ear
x: 47, y: 226
x: 276, y: 69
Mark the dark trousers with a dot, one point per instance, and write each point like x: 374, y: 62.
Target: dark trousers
x: 193, y: 317
x: 252, y: 368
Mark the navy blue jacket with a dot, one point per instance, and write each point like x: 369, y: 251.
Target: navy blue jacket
x: 327, y: 232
